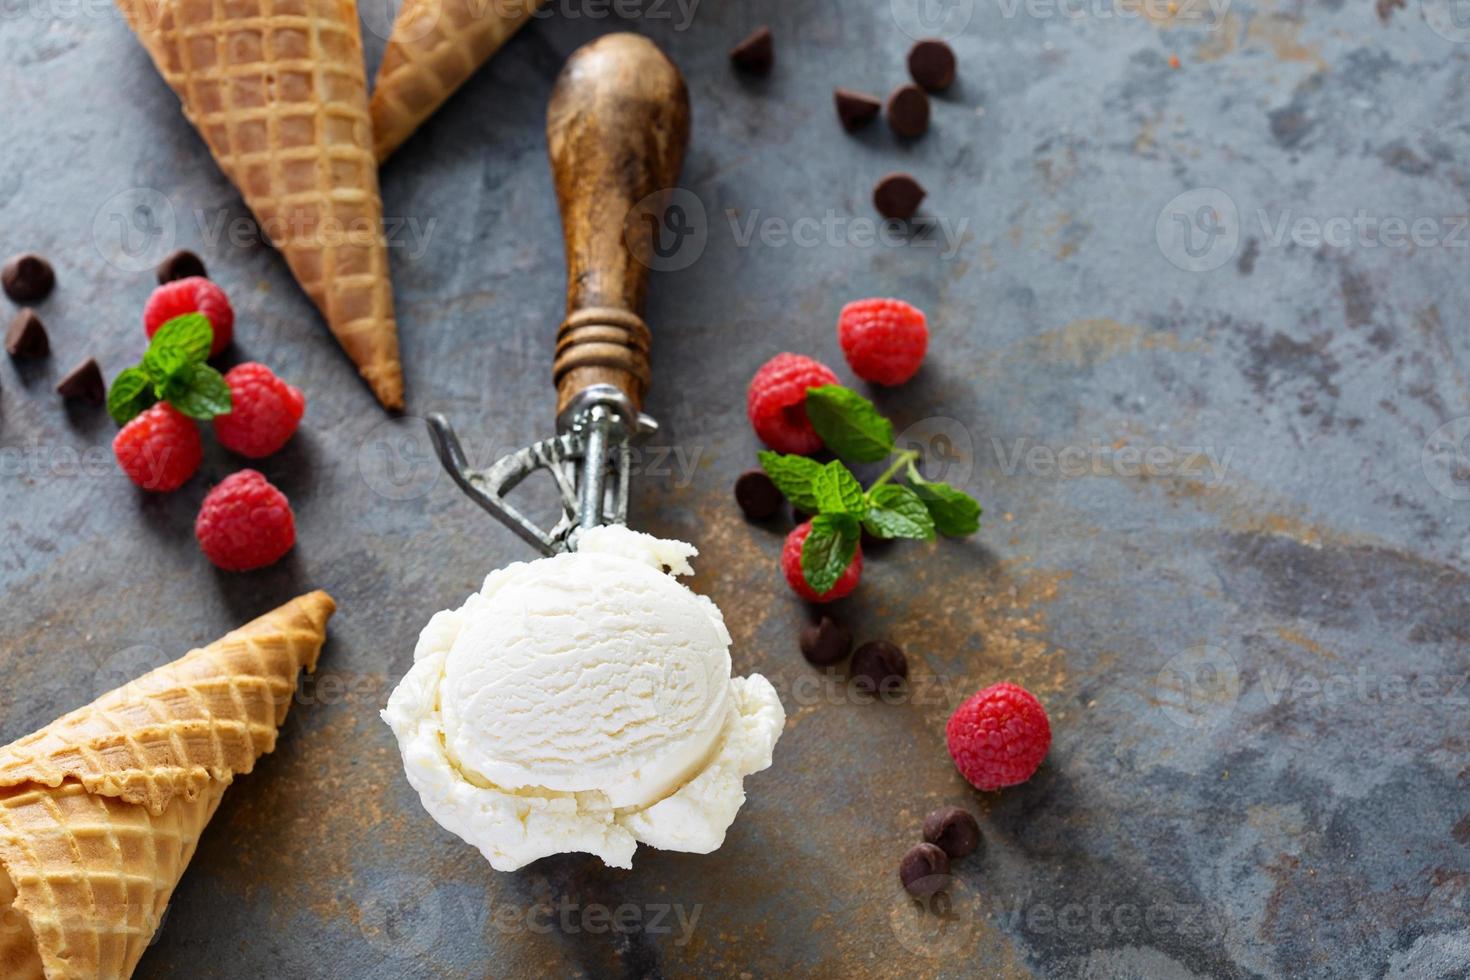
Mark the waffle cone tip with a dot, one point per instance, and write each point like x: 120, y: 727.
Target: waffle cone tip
x: 100, y: 811
x: 278, y: 92
x: 433, y: 49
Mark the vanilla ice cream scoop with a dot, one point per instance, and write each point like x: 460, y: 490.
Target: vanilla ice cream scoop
x: 583, y: 702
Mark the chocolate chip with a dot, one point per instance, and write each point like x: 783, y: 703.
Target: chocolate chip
x: 924, y: 870
x: 84, y: 383
x: 855, y: 109
x: 908, y: 111
x: 756, y: 53
x: 27, y: 278
x: 952, y: 830
x: 898, y: 196
x: 27, y: 336
x: 878, y: 665
x: 825, y: 642
x: 180, y: 265
x: 932, y: 64
x: 757, y: 495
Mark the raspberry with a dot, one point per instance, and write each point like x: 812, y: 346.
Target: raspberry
x: 192, y: 295
x: 884, y: 340
x: 776, y: 402
x: 159, y: 449
x: 264, y: 411
x: 791, y: 566
x: 245, y: 523
x: 998, y: 737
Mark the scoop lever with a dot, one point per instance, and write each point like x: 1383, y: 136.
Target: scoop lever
x: 590, y: 462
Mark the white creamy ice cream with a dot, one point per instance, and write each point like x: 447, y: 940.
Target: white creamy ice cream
x: 583, y: 703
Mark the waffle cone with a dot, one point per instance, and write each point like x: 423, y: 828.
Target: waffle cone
x: 434, y: 47
x: 101, y: 810
x: 278, y: 90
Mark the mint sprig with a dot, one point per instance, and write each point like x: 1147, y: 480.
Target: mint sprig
x: 793, y: 476
x: 955, y: 513
x: 173, y: 370
x: 828, y: 550
x: 854, y: 429
x: 837, y: 491
x: 131, y: 394
x: 849, y: 424
x: 898, y: 512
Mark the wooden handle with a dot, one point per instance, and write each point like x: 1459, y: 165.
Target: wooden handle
x: 616, y: 128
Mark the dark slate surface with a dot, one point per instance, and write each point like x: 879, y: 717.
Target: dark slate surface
x: 1253, y: 649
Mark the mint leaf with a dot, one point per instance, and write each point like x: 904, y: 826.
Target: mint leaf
x: 131, y: 393
x: 955, y: 512
x: 162, y: 362
x: 849, y: 424
x: 198, y: 391
x: 190, y: 333
x: 828, y: 550
x: 897, y: 512
x: 793, y: 476
x: 837, y: 491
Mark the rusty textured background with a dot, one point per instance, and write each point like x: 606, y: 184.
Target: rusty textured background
x: 1254, y: 667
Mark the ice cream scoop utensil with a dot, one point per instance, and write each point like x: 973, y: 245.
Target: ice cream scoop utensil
x: 616, y: 128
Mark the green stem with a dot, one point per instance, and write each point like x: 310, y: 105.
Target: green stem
x: 903, y: 459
